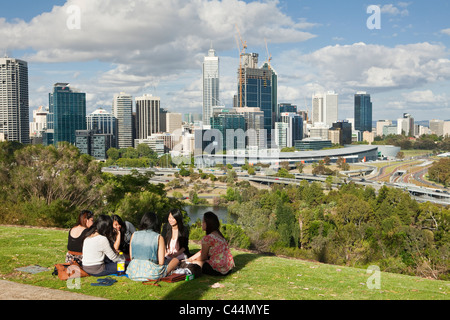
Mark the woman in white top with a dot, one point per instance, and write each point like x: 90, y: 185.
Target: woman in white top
x: 99, y: 257
x: 176, y: 237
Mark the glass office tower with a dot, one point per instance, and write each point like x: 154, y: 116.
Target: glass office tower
x: 259, y: 90
x: 363, y: 112
x: 67, y: 114
x: 101, y: 121
x: 227, y: 124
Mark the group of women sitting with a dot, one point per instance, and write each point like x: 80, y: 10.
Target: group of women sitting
x: 96, y: 244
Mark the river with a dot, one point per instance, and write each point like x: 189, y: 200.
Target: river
x: 196, y: 212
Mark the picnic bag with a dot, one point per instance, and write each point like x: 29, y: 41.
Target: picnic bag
x: 69, y: 270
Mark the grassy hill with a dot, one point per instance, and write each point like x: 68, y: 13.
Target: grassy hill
x: 256, y: 276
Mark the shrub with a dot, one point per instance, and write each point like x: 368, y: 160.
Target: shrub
x: 235, y: 236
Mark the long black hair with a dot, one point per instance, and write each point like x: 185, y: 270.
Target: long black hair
x: 104, y: 226
x: 150, y: 221
x: 212, y: 223
x: 183, y: 231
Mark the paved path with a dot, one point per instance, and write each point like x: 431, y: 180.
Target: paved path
x: 17, y: 291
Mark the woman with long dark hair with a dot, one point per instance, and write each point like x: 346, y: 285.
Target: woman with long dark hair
x: 215, y: 257
x: 147, y: 251
x: 77, y: 234
x: 176, y: 236
x: 99, y: 257
x: 123, y: 231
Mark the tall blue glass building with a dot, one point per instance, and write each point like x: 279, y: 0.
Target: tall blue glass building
x: 259, y: 90
x: 67, y: 114
x: 227, y: 124
x: 363, y: 112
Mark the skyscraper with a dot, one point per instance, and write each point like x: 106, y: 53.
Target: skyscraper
x: 14, y: 107
x: 210, y: 85
x: 102, y: 122
x: 122, y: 109
x: 39, y: 123
x: 67, y: 114
x: 325, y: 108
x: 147, y: 116
x: 405, y: 125
x: 173, y: 122
x: 288, y: 130
x: 437, y: 127
x: 345, y: 132
x: 258, y: 89
x: 229, y: 123
x: 363, y: 112
x: 331, y: 108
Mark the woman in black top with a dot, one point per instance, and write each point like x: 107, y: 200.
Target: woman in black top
x: 77, y: 235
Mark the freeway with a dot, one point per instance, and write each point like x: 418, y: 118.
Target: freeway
x: 421, y: 194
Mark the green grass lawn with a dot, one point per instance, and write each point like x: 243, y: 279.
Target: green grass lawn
x: 256, y: 276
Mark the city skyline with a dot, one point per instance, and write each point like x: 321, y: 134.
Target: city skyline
x: 314, y: 46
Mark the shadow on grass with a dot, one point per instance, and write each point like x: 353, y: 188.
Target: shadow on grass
x: 194, y: 290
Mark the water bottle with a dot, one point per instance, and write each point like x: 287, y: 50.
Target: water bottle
x: 121, y: 264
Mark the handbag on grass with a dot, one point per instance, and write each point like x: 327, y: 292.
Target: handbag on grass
x: 69, y: 270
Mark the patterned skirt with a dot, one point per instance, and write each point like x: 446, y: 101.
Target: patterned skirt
x: 143, y: 270
x: 74, y: 256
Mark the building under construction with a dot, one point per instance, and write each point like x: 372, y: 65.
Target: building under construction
x: 257, y: 88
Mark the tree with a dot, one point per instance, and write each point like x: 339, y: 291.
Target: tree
x: 300, y: 167
x: 184, y: 173
x: 131, y: 153
x: 50, y: 174
x: 352, y: 210
x: 134, y: 205
x: 166, y: 161
x: 440, y: 171
x: 113, y: 154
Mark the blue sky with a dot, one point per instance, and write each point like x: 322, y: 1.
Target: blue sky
x: 157, y: 47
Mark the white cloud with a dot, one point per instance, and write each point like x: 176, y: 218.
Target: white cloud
x: 145, y: 43
x: 380, y: 68
x: 446, y: 31
x: 149, y: 32
x: 395, y: 11
x: 425, y: 97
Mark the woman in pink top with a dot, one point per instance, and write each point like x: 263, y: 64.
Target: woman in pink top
x: 215, y: 257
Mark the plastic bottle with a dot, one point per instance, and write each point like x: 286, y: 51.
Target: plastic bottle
x: 121, y: 264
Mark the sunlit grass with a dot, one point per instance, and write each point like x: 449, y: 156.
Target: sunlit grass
x: 256, y: 276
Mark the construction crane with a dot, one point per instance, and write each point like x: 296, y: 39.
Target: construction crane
x: 269, y: 57
x: 241, y: 53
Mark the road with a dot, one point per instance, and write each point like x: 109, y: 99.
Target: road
x: 418, y: 192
